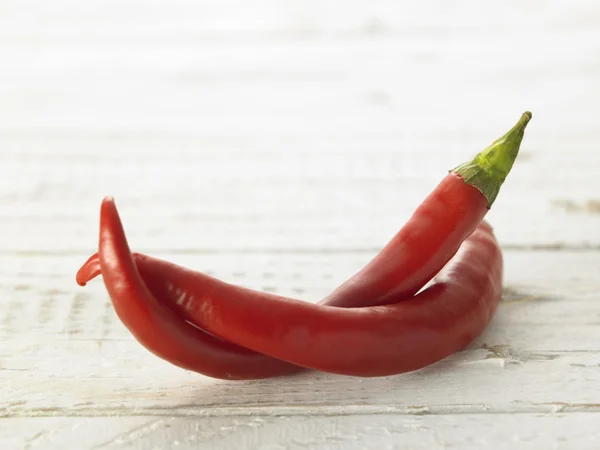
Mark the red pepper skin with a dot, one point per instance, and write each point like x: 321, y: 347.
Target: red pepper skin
x: 369, y: 341
x: 152, y: 298
x: 485, y: 174
x: 158, y: 328
x: 437, y: 228
x: 422, y: 247
x: 419, y: 250
x: 412, y: 257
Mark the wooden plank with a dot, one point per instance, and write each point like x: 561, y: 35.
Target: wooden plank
x: 84, y: 433
x: 280, y: 204
x: 385, y: 431
x: 65, y: 353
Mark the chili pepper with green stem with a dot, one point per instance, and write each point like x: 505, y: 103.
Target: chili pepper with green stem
x: 414, y: 255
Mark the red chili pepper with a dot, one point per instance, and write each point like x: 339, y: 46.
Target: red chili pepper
x: 423, y: 246
x: 436, y: 229
x: 156, y: 325
x: 370, y: 341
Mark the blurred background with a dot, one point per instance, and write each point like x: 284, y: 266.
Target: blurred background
x: 269, y: 125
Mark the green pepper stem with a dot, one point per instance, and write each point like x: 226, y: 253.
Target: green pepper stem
x: 488, y: 170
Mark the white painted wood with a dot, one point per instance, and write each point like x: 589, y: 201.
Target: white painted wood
x: 279, y: 145
x: 68, y: 355
x: 385, y: 431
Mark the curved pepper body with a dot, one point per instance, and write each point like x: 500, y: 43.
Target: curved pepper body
x: 157, y: 300
x: 403, y: 267
x: 367, y: 341
x: 432, y: 235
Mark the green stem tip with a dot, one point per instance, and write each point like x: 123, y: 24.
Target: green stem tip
x: 488, y: 170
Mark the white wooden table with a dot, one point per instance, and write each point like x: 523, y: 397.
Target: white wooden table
x: 279, y: 145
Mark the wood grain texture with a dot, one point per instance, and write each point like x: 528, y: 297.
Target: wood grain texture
x: 384, y: 431
x: 279, y: 145
x: 81, y: 361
